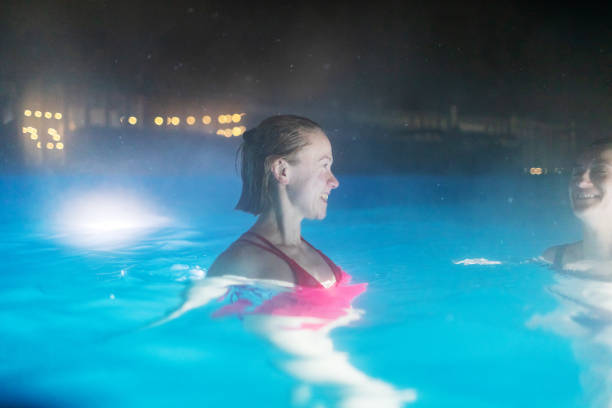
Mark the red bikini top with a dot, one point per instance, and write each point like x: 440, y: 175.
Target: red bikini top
x: 302, y: 277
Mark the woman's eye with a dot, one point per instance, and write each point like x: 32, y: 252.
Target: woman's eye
x: 599, y: 170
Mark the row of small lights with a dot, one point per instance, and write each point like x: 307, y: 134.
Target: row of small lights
x: 170, y: 120
x: 39, y: 114
x: 191, y: 120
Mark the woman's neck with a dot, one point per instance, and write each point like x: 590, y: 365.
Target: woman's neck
x: 279, y: 226
x: 597, y: 243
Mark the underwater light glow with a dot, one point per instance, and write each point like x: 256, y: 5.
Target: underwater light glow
x: 106, y: 219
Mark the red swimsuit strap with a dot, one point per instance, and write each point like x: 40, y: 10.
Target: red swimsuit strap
x: 335, y: 268
x: 302, y: 277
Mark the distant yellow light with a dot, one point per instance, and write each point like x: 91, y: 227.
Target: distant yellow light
x: 57, y: 137
x: 159, y: 121
x: 236, y: 117
x: 27, y: 112
x: 221, y: 118
x: 228, y: 132
x: 176, y: 120
x: 236, y: 131
x: 51, y: 131
x: 58, y: 115
x: 25, y: 129
x: 38, y: 145
x: 48, y: 115
x: 50, y: 146
x: 33, y: 136
x: 221, y: 132
x: 132, y: 120
x: 59, y: 146
x: 536, y: 171
x: 206, y: 120
x: 242, y: 129
x: 38, y: 114
x: 190, y: 120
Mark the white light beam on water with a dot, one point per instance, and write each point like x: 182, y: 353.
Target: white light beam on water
x: 107, y: 219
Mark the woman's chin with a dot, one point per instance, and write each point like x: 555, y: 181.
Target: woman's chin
x: 320, y: 215
x: 589, y: 214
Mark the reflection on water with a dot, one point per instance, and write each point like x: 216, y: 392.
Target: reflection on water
x: 298, y: 321
x: 584, y: 315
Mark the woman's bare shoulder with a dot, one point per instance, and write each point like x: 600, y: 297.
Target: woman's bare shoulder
x: 567, y: 251
x: 250, y: 261
x: 239, y: 259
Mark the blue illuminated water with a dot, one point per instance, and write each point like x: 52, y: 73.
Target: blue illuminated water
x: 72, y: 324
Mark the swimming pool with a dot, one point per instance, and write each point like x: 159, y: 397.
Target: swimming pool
x: 74, y: 313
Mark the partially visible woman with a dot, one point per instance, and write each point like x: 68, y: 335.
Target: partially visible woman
x: 590, y: 192
x: 286, y: 169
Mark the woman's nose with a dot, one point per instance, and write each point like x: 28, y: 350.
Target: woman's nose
x: 333, y: 181
x: 584, y: 180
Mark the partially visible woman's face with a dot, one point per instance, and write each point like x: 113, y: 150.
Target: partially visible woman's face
x: 311, y: 177
x: 590, y: 188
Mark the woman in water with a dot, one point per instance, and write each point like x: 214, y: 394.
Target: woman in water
x: 286, y: 177
x: 590, y: 192
x: 282, y: 287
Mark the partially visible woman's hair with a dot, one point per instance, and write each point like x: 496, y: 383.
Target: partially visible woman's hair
x: 601, y: 143
x: 276, y: 137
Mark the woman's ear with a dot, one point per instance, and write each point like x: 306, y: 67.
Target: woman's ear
x: 279, y: 167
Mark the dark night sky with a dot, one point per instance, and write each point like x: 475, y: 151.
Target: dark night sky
x: 547, y: 62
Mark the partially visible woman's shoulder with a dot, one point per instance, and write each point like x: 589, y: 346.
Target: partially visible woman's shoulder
x: 558, y: 255
x: 239, y: 259
x: 549, y: 255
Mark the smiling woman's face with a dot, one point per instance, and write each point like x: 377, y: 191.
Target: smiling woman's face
x: 311, y: 177
x: 590, y: 188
